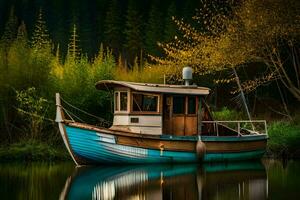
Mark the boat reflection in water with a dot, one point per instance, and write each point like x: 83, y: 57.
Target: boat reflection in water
x: 210, y: 181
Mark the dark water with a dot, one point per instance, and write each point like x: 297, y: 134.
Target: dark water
x: 270, y: 179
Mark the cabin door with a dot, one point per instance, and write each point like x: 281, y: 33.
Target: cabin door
x: 180, y: 115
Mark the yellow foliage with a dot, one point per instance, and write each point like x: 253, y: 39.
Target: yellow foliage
x: 57, y: 70
x: 253, y: 31
x: 149, y: 74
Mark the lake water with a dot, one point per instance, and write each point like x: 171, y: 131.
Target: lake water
x: 270, y: 179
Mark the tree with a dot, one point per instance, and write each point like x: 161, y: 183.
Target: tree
x: 113, y: 27
x: 154, y: 31
x: 74, y: 51
x: 8, y: 37
x: 255, y: 31
x: 32, y: 108
x: 40, y: 54
x: 86, y: 30
x: 10, y: 29
x: 103, y: 65
x: 18, y: 60
x: 170, y: 30
x: 22, y: 35
x: 133, y: 32
x: 40, y: 38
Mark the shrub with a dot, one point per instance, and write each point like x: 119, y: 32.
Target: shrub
x: 226, y: 114
x: 284, y: 139
x: 32, y: 108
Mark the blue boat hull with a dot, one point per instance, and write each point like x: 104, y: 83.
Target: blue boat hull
x: 93, y: 147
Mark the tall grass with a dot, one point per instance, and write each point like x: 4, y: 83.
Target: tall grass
x: 227, y: 114
x: 32, y: 150
x: 284, y: 139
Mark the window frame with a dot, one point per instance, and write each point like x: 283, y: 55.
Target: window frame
x: 158, y: 109
x: 188, y: 105
x: 118, y: 103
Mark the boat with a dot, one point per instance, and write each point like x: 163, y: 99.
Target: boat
x: 160, y: 123
x: 235, y: 180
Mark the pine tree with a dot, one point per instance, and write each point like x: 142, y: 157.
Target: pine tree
x: 100, y: 57
x: 57, y: 54
x: 154, y: 31
x: 170, y: 30
x: 8, y: 37
x: 18, y: 56
x: 86, y: 31
x: 22, y: 34
x: 40, y: 39
x: 133, y: 32
x: 113, y: 27
x: 73, y: 46
x: 10, y: 30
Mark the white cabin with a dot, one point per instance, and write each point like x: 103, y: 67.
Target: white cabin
x: 156, y: 108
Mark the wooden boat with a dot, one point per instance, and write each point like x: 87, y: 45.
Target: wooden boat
x: 159, y: 123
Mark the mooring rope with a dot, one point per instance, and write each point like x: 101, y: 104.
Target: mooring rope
x: 69, y: 114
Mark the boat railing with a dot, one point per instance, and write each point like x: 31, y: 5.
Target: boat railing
x: 242, y: 127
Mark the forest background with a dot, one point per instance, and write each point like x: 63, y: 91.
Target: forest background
x: 67, y: 46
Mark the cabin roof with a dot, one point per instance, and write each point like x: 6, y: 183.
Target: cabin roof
x: 153, y: 87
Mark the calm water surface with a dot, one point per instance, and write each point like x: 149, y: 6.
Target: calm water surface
x: 270, y: 179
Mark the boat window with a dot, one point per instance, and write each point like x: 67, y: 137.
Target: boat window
x: 179, y: 104
x: 123, y: 101
x: 144, y: 102
x: 191, y: 105
x: 116, y: 101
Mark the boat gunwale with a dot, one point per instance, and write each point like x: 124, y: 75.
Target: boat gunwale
x: 240, y: 138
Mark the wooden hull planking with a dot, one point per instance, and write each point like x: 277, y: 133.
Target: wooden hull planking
x: 89, y: 145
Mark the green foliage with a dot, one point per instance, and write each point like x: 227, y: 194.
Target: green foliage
x: 40, y: 39
x: 32, y: 108
x: 32, y: 150
x: 103, y: 66
x: 133, y: 31
x: 75, y: 76
x: 231, y: 36
x: 10, y: 29
x: 73, y: 46
x: 113, y: 26
x: 154, y: 32
x: 227, y: 114
x: 170, y: 30
x: 146, y: 73
x: 284, y: 139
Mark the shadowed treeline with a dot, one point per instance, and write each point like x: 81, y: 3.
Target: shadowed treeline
x: 128, y: 27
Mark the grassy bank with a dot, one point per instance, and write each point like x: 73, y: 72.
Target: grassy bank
x: 32, y: 150
x: 284, y: 139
